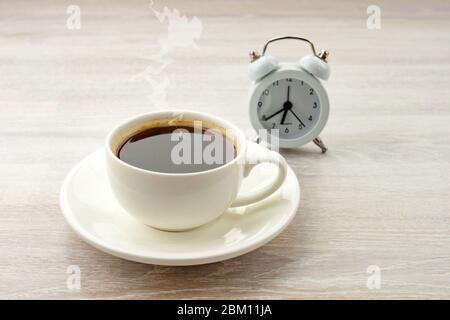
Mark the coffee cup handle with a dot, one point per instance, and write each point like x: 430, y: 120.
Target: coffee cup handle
x: 251, y: 161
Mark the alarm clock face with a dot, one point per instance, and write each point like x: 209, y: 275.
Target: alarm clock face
x: 290, y: 105
x: 292, y: 102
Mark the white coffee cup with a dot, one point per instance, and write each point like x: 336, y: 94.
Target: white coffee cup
x: 181, y: 201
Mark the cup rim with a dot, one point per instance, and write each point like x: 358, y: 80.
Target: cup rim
x: 241, y: 140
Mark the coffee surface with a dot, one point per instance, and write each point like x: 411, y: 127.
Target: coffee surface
x: 177, y: 149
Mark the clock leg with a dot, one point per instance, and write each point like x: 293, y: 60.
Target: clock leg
x: 318, y: 142
x: 257, y: 139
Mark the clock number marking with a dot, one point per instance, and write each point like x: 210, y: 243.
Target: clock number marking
x: 273, y: 125
x: 259, y: 104
x: 311, y: 91
x: 266, y: 92
x: 310, y: 118
x: 286, y: 130
x: 315, y: 105
x: 289, y: 79
x: 301, y: 82
x: 275, y: 83
x: 300, y: 127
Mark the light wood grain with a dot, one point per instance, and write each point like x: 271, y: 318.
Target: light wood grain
x: 380, y: 196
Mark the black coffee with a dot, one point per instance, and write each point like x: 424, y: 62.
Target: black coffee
x: 177, y: 149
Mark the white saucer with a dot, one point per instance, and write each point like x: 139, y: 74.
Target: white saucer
x: 91, y: 210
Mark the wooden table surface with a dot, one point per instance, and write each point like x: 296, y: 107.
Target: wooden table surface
x: 380, y: 196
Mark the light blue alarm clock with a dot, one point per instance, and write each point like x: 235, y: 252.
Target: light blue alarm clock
x: 289, y: 96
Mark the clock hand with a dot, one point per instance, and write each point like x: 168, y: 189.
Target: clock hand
x: 287, y: 106
x: 297, y: 118
x: 273, y: 115
x: 284, y: 115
